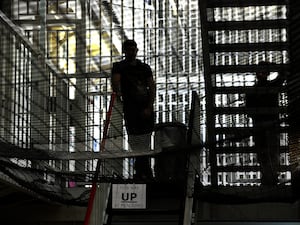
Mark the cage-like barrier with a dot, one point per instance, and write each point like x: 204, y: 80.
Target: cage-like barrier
x: 41, y: 158
x: 52, y: 120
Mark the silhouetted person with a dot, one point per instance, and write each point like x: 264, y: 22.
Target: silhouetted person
x: 265, y: 105
x: 132, y: 80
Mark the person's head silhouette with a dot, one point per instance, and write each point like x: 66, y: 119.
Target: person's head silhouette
x: 263, y: 73
x: 130, y: 50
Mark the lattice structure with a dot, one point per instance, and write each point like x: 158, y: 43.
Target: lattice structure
x: 237, y: 35
x: 55, y: 64
x: 56, y: 58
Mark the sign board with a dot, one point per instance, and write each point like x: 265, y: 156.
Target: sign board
x: 129, y: 196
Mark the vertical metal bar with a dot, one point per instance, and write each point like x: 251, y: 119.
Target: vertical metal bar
x: 100, y: 63
x: 122, y: 20
x: 80, y: 111
x: 210, y: 121
x: 178, y: 63
x: 15, y: 91
x: 156, y: 60
x: 166, y: 44
x: 144, y: 31
x: 27, y: 97
x: 42, y: 32
x: 23, y: 99
x: 111, y: 33
x: 133, y: 20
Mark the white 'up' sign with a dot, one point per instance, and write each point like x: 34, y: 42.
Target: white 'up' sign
x: 129, y: 196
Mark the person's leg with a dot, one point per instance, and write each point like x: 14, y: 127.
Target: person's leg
x: 267, y: 147
x: 142, y: 165
x: 260, y: 148
x: 272, y: 156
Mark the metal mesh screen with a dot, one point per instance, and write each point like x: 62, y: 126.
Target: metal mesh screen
x: 56, y: 58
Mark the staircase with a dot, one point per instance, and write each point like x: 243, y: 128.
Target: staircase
x: 164, y: 206
x: 235, y: 36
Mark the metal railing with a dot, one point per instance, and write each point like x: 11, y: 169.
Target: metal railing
x: 37, y: 114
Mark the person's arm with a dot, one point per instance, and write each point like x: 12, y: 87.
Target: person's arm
x: 148, y: 111
x: 116, y: 80
x: 279, y: 80
x: 152, y: 90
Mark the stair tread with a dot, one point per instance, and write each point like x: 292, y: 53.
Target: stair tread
x: 247, y: 25
x: 244, y: 3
